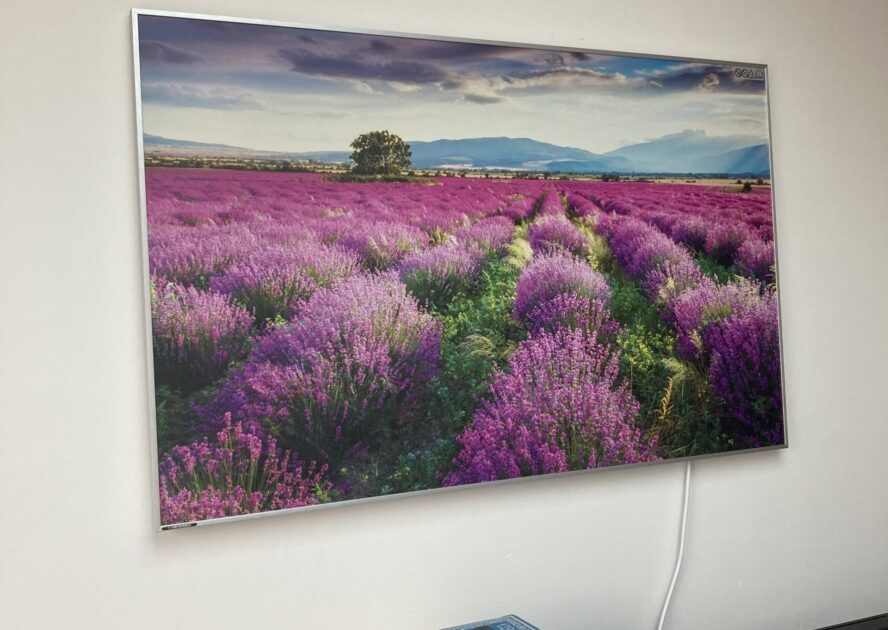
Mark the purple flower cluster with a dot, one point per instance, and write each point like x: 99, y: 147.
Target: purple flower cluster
x: 732, y: 330
x: 273, y: 281
x: 381, y: 245
x: 558, y: 407
x: 547, y: 277
x: 697, y: 309
x: 723, y: 241
x: 573, y: 311
x: 690, y: 231
x: 744, y: 372
x: 555, y: 233
x: 190, y: 255
x: 521, y: 208
x: 239, y: 473
x: 581, y: 206
x: 664, y: 268
x: 550, y: 203
x: 491, y: 235
x: 348, y: 370
x: 755, y: 258
x: 639, y: 247
x: 196, y: 334
x: 435, y: 275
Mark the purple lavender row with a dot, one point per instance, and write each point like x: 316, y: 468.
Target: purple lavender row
x: 753, y: 209
x: 353, y: 387
x: 193, y: 255
x: 520, y: 208
x: 550, y: 203
x: 437, y: 274
x: 559, y: 405
x: 731, y: 330
x: 732, y: 229
x: 193, y: 197
x: 552, y: 232
x: 255, y: 239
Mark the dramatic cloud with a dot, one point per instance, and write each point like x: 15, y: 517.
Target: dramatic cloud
x: 408, y: 68
x: 159, y: 52
x: 568, y: 77
x: 351, y: 67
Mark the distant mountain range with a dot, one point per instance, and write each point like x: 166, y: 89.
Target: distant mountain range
x: 512, y: 153
x: 685, y: 152
x: 695, y: 152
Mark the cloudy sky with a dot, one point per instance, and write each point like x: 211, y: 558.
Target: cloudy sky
x: 286, y: 89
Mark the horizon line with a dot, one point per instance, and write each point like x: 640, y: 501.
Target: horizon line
x: 763, y: 140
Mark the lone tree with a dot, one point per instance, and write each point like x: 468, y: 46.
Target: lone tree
x: 379, y: 153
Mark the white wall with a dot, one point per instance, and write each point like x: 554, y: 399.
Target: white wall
x: 791, y: 539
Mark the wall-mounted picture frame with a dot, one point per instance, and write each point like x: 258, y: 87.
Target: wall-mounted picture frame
x: 380, y: 263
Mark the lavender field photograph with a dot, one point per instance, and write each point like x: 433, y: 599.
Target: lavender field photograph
x: 380, y: 264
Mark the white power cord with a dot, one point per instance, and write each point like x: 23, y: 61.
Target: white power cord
x: 681, y: 545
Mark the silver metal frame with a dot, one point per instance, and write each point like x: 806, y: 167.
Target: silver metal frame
x: 149, y: 350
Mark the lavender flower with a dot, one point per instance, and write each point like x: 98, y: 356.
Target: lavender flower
x: 697, y: 309
x: 732, y: 331
x: 664, y: 268
x: 239, y: 473
x: 520, y: 209
x: 381, y: 245
x: 550, y: 203
x: 272, y: 282
x: 191, y: 255
x: 554, y: 233
x: 434, y: 276
x: 547, y: 277
x: 349, y: 370
x: 580, y: 205
x: 196, y: 334
x: 573, y: 311
x: 491, y: 235
x: 669, y: 280
x: 723, y: 241
x: 744, y: 373
x: 690, y: 231
x: 755, y: 258
x: 558, y: 408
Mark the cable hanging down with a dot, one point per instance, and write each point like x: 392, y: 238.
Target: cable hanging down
x: 681, y: 544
